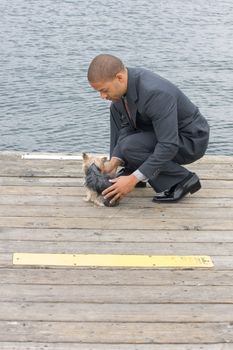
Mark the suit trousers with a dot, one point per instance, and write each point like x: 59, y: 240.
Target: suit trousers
x: 139, y: 145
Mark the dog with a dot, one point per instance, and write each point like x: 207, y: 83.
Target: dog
x: 96, y: 181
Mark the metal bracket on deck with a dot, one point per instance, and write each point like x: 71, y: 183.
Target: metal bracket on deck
x: 51, y: 156
x: 55, y: 156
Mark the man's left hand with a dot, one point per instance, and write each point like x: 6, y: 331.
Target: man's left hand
x: 121, y: 187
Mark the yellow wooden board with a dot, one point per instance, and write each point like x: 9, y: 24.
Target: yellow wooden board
x: 109, y: 260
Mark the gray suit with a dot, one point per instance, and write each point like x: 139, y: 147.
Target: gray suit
x: 165, y: 129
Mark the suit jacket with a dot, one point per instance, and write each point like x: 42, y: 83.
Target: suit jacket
x: 157, y: 104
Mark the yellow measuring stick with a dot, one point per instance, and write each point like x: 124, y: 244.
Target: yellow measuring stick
x: 110, y: 260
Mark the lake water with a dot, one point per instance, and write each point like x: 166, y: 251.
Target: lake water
x: 46, y: 46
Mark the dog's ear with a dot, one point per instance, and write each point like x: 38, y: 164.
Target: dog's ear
x: 85, y: 156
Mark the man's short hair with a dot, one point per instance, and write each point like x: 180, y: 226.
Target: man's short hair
x: 104, y: 67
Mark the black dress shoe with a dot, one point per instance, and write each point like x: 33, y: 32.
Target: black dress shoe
x: 126, y: 172
x: 190, y: 184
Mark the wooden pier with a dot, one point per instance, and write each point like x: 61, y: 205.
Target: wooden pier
x: 42, y: 211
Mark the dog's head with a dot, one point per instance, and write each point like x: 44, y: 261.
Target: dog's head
x: 89, y: 159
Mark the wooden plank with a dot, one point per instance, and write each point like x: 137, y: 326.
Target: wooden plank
x: 18, y: 163
x: 214, y: 166
x: 78, y: 156
x: 40, y: 190
x: 81, y: 191
x: 112, y: 223
x: 78, y: 346
x: 66, y: 172
x: 95, y: 212
x: 117, y: 294
x: 61, y: 168
x: 187, y: 202
x: 58, y: 181
x: 17, y: 156
x: 79, y: 181
x: 41, y: 168
x: 31, y: 200
x: 156, y: 212
x: 211, y: 161
x: 69, y: 168
x: 141, y: 248
x: 11, y: 155
x: 75, y: 173
x: 128, y: 202
x: 135, y: 277
x: 116, y: 332
x: 114, y: 235
x: 75, y: 312
x: 208, y: 158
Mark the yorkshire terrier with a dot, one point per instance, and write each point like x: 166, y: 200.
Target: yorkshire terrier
x: 96, y: 181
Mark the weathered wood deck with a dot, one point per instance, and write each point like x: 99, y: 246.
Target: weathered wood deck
x: 42, y: 210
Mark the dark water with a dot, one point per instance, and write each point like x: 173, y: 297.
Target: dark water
x: 46, y: 46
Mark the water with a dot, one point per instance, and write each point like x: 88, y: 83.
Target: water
x: 46, y: 46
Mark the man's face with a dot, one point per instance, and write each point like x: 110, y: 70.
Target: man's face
x: 111, y: 90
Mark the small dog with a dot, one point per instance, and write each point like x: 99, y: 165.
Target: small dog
x: 95, y: 180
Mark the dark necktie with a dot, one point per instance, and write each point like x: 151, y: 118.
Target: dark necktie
x: 128, y: 112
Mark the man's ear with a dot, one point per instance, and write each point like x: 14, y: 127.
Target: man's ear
x: 120, y: 76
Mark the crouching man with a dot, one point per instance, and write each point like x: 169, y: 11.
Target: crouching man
x: 155, y: 129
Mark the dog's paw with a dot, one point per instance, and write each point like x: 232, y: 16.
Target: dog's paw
x: 99, y: 203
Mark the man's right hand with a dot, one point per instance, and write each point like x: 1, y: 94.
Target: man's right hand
x: 110, y: 167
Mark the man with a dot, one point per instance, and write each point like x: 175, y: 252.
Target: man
x: 154, y: 129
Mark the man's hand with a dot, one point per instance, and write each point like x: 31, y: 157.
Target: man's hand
x: 110, y: 167
x: 121, y: 187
